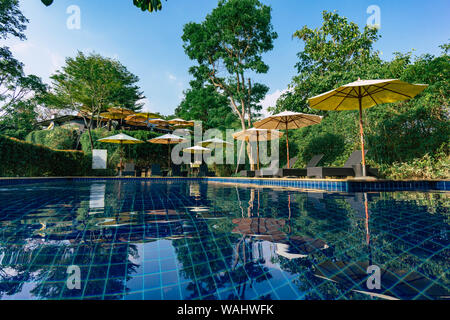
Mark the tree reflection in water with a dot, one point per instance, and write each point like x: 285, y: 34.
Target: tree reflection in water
x: 228, y: 242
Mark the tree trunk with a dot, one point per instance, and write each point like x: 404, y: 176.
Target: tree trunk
x: 89, y: 131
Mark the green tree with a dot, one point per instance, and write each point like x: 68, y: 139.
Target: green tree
x: 89, y: 84
x: 18, y: 92
x: 409, y: 134
x: 144, y: 5
x: 335, y: 54
x: 227, y: 46
x: 20, y: 120
x: 205, y: 104
x: 12, y: 21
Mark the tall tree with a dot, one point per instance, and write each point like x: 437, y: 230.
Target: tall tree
x: 12, y: 21
x: 18, y: 92
x: 89, y: 84
x: 15, y: 86
x: 402, y: 138
x: 336, y: 53
x: 205, y: 104
x: 228, y: 45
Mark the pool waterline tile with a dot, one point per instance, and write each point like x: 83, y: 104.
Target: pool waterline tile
x: 190, y: 239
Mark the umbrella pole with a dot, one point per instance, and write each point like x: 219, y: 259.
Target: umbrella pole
x: 257, y: 148
x: 287, y: 145
x: 120, y: 164
x: 168, y: 157
x: 361, y: 130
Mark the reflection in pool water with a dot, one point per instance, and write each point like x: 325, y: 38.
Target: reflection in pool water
x: 194, y: 240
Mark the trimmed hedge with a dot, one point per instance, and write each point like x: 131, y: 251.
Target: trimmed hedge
x: 143, y: 155
x: 23, y: 159
x: 59, y: 138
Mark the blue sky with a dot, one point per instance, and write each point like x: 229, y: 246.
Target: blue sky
x: 150, y: 44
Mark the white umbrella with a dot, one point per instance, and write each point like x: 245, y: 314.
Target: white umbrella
x: 257, y: 135
x: 168, y: 139
x: 288, y: 120
x: 215, y: 142
x: 197, y: 150
x: 121, y: 139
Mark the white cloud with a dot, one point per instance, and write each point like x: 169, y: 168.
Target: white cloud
x: 172, y: 77
x: 38, y: 60
x: 57, y: 61
x: 270, y: 100
x: 148, y: 106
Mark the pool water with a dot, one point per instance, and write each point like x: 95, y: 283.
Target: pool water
x: 198, y: 240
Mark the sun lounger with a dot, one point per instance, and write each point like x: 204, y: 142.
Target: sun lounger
x: 293, y: 172
x: 204, y: 172
x: 247, y: 173
x: 129, y: 169
x: 351, y: 168
x: 156, y: 170
x: 271, y: 171
x: 176, y: 170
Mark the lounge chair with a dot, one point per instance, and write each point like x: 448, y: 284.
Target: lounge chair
x: 129, y: 169
x: 155, y: 170
x: 176, y: 170
x: 350, y: 168
x: 204, y: 172
x: 247, y: 173
x: 270, y: 171
x: 294, y: 172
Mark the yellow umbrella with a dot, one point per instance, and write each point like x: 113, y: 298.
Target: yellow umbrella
x: 168, y: 139
x: 177, y: 121
x: 363, y: 94
x: 148, y: 115
x: 136, y: 120
x: 112, y: 116
x: 117, y: 114
x: 257, y: 135
x: 158, y: 121
x: 121, y: 139
x: 288, y: 120
x: 185, y: 125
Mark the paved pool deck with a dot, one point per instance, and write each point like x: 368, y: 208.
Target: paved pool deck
x: 335, y: 185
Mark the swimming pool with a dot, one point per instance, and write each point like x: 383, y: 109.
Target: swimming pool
x: 198, y: 240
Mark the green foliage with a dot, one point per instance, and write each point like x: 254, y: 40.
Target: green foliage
x: 400, y: 136
x: 59, y: 138
x: 93, y: 83
x: 12, y: 21
x: 143, y: 154
x: 335, y: 54
x: 23, y: 159
x: 435, y: 166
x: 19, y: 121
x: 150, y: 5
x: 144, y: 5
x: 205, y: 104
x: 90, y: 84
x: 233, y: 36
x: 16, y: 86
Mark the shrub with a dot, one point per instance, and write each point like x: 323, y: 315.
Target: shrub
x: 59, y: 138
x: 24, y: 159
x: 142, y: 155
